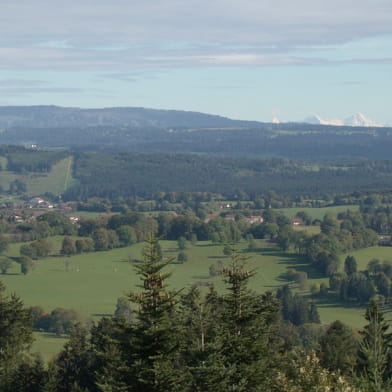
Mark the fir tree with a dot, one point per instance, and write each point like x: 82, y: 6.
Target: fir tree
x: 202, y: 348
x: 156, y: 334
x: 350, y: 265
x: 15, y: 335
x: 73, y: 367
x: 246, y: 330
x: 375, y: 349
x: 338, y: 348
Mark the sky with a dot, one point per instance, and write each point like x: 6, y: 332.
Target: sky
x: 244, y: 59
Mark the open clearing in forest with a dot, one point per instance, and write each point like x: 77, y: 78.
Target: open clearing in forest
x: 56, y: 181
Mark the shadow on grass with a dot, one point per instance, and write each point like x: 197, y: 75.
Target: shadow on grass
x: 331, y: 301
x: 207, y: 245
x: 53, y: 335
x: 58, y: 270
x: 293, y: 261
x: 201, y: 277
x: 173, y: 250
x: 102, y: 315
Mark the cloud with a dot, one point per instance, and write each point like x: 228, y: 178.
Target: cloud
x: 281, y: 22
x: 121, y: 35
x: 21, y: 87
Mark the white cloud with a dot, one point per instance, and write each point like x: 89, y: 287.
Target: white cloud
x: 278, y: 21
x: 123, y: 34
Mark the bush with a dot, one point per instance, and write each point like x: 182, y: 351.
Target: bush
x: 5, y: 265
x: 26, y: 264
x: 182, y: 257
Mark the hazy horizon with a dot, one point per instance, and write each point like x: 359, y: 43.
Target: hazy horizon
x: 251, y: 61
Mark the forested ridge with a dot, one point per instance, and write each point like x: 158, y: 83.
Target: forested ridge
x: 148, y: 130
x: 145, y: 174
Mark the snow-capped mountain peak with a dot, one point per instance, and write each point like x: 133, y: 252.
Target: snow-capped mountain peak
x: 360, y: 120
x: 316, y: 119
x: 356, y: 120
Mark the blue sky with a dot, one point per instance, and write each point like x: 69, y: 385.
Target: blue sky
x: 249, y: 59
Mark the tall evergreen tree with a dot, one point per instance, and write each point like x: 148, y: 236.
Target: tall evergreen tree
x: 15, y: 335
x: 246, y: 334
x: 202, y: 348
x: 375, y: 350
x: 338, y: 348
x: 154, y: 354
x: 73, y: 367
x: 350, y: 265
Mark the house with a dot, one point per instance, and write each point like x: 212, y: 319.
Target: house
x: 385, y: 241
x: 254, y: 219
x: 36, y: 202
x: 74, y: 219
x: 209, y: 217
x: 296, y: 221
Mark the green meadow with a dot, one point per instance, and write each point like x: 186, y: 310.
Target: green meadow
x: 3, y: 162
x: 91, y: 283
x: 56, y: 181
x: 318, y: 212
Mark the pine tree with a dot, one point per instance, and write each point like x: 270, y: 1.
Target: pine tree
x: 285, y: 296
x: 202, y: 350
x: 15, y: 335
x: 338, y: 348
x: 246, y: 336
x: 314, y: 316
x: 375, y: 349
x: 111, y: 343
x: 31, y: 376
x: 73, y: 367
x: 350, y: 265
x: 156, y: 334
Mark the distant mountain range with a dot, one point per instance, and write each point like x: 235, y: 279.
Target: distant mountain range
x: 356, y: 120
x: 59, y: 117
x: 172, y: 131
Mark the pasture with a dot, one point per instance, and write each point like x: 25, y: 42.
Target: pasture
x: 56, y: 181
x: 318, y: 213
x: 92, y: 282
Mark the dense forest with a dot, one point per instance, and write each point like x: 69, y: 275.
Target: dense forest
x: 299, y: 141
x: 145, y: 174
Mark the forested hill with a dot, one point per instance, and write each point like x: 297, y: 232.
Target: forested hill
x: 170, y: 131
x: 56, y: 116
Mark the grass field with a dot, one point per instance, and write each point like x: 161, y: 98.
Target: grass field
x: 318, y: 213
x: 363, y: 256
x: 47, y: 344
x: 94, y: 281
x: 308, y: 229
x: 88, y: 214
x: 57, y: 181
x: 3, y: 162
